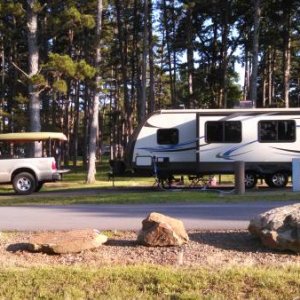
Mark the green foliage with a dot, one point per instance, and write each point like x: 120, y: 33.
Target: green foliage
x: 64, y: 65
x: 84, y: 70
x: 11, y: 8
x: 88, y: 21
x: 75, y: 18
x: 21, y: 99
x: 38, y: 80
x: 73, y: 14
x: 60, y: 86
x: 61, y: 65
x: 36, y: 6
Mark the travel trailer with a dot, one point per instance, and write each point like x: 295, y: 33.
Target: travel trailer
x: 204, y: 142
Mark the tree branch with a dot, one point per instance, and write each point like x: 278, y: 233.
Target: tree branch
x: 19, y: 69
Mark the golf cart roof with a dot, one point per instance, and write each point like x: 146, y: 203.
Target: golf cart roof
x: 32, y: 136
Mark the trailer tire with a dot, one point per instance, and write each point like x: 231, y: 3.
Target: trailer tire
x: 24, y: 183
x: 277, y: 180
x: 250, y: 180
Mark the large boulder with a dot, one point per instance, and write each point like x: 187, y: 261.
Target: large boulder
x: 278, y: 228
x: 161, y: 230
x: 61, y: 242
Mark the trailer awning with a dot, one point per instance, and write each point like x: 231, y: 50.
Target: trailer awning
x: 32, y: 136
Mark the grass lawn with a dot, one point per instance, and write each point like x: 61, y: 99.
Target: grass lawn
x: 150, y: 282
x: 104, y: 197
x: 74, y: 191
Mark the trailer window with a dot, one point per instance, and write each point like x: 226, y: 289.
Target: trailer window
x: 276, y: 131
x: 223, y: 132
x: 167, y: 136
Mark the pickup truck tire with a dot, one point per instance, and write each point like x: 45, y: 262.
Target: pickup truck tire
x: 24, y: 183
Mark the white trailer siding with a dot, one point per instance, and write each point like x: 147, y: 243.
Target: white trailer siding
x: 250, y: 149
x: 146, y: 143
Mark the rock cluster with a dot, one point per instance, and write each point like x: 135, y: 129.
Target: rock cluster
x: 61, y: 242
x: 157, y: 230
x: 161, y: 230
x: 278, y: 228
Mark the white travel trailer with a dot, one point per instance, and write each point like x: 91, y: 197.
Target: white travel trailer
x: 202, y: 142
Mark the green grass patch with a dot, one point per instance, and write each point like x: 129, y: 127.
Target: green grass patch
x: 148, y: 282
x: 101, y: 196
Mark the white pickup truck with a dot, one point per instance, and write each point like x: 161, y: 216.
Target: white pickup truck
x: 27, y: 175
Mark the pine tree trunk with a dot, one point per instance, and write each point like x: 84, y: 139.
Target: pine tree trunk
x: 270, y: 76
x: 85, y: 125
x: 135, y: 57
x: 224, y: 56
x: 123, y: 47
x: 143, y: 100
x: 95, y: 103
x: 213, y: 70
x: 175, y: 103
x: 161, y: 73
x: 190, y: 59
x: 287, y: 60
x: 253, y: 84
x: 246, y: 76
x: 33, y: 62
x: 68, y: 119
x: 169, y: 53
x: 264, y: 86
x: 151, y: 63
x: 76, y: 124
x: 2, y: 92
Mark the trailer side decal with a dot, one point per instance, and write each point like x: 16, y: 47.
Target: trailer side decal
x: 287, y: 150
x: 173, y: 148
x: 228, y: 155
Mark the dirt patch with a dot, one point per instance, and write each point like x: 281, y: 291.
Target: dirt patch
x: 206, y: 248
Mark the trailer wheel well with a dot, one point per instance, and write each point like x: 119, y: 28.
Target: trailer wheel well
x: 250, y: 171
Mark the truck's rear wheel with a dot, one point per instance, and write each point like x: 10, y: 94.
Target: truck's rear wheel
x: 277, y: 180
x: 250, y: 180
x: 24, y: 183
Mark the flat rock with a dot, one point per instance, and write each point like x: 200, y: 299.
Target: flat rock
x: 278, y: 228
x: 61, y: 242
x: 161, y: 230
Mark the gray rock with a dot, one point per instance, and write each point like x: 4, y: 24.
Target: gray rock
x: 278, y: 228
x: 161, y: 230
x: 61, y: 242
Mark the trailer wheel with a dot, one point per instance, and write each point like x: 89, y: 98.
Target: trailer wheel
x: 24, y: 183
x: 277, y: 180
x: 250, y: 180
